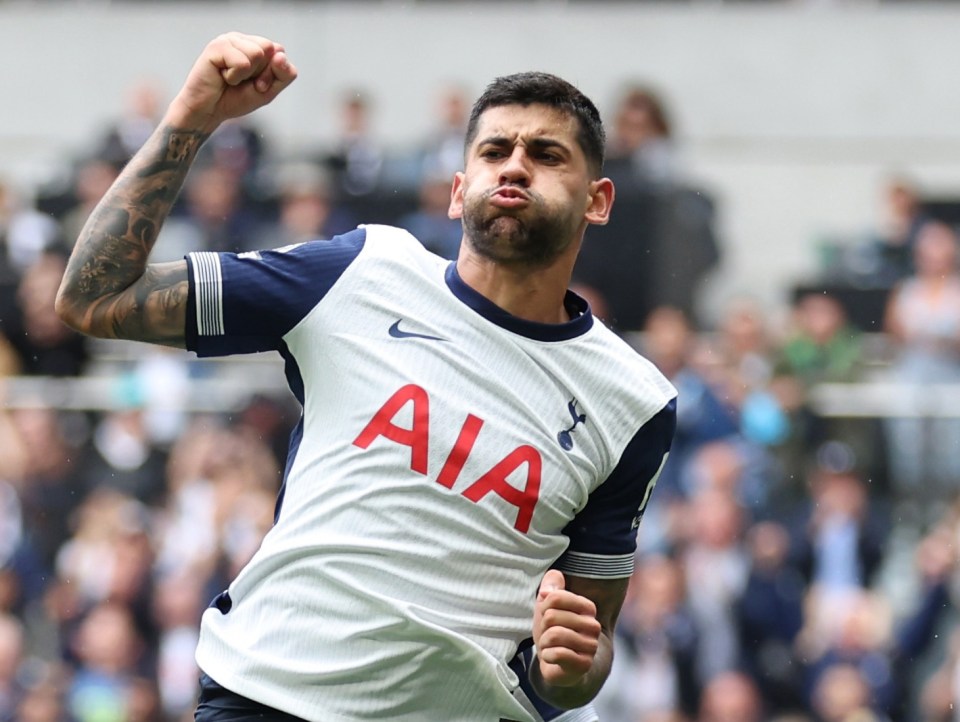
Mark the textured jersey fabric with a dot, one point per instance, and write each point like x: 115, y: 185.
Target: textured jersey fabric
x: 448, y: 454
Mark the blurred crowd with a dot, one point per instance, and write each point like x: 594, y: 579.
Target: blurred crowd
x: 794, y: 565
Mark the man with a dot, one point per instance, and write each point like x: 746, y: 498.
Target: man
x: 458, y: 518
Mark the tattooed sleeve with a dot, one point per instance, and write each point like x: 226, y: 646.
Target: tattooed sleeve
x: 108, y: 289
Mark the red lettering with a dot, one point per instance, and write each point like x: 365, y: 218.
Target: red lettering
x: 417, y: 437
x: 495, y: 480
x: 460, y: 451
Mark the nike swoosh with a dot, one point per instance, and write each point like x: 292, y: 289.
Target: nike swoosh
x: 396, y: 332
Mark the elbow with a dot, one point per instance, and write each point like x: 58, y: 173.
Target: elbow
x: 68, y: 312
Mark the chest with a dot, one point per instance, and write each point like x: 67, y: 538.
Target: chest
x: 448, y: 413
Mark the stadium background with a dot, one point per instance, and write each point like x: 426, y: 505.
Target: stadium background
x: 792, y: 112
x: 791, y: 116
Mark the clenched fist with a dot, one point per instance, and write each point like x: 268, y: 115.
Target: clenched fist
x: 566, y: 632
x: 234, y: 75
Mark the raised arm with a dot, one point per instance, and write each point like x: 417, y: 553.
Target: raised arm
x: 573, y: 626
x: 108, y: 289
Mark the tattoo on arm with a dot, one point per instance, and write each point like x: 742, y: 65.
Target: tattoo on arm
x: 108, y: 289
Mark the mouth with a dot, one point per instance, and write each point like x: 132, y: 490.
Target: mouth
x: 509, y: 197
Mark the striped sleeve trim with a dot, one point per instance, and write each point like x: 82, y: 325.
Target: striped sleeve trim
x: 597, y: 566
x: 208, y: 282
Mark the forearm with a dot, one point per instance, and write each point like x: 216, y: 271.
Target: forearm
x: 570, y: 697
x: 97, y: 295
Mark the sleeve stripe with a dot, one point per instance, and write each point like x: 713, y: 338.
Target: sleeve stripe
x: 208, y: 282
x: 597, y: 566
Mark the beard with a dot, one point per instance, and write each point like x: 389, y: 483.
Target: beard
x: 532, y: 236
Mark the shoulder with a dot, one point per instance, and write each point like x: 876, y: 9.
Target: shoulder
x: 383, y: 237
x: 392, y: 246
x: 630, y: 377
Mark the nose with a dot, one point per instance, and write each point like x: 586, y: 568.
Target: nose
x: 516, y: 168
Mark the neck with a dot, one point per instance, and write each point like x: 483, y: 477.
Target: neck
x: 533, y: 294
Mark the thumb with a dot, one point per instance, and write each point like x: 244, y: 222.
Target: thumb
x: 552, y: 581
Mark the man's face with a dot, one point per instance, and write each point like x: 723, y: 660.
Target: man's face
x: 526, y: 193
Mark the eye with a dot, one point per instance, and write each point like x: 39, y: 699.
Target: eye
x: 492, y: 154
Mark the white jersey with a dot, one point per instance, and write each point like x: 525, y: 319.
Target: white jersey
x: 447, y: 456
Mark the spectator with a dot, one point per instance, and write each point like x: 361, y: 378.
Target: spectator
x: 442, y: 153
x: 923, y: 321
x: 855, y: 632
x: 731, y: 697
x: 123, y: 457
x: 307, y: 207
x: 110, y: 557
x: 660, y: 244
x: 213, y: 217
x: 654, y: 670
x: 770, y: 615
x: 111, y: 658
x: 267, y: 421
x: 50, y: 486
x: 821, y: 343
x: 178, y: 603
x: 717, y: 567
x: 843, y: 695
x: 186, y: 526
x: 143, y: 700
x: 92, y: 179
x: 940, y: 693
x: 839, y: 535
x: 742, y: 356
x: 728, y: 465
x: 222, y: 487
x: 703, y: 416
x: 12, y: 658
x: 744, y: 346
x: 641, y: 140
x: 44, y: 698
x: 430, y: 222
x: 142, y: 109
x: 357, y: 158
x: 821, y: 346
x: 25, y: 234
x: 897, y: 239
x: 44, y: 346
x: 238, y: 147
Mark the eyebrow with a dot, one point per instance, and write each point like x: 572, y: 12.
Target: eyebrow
x: 534, y: 144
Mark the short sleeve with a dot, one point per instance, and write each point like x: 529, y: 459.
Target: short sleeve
x: 603, y: 536
x: 247, y: 302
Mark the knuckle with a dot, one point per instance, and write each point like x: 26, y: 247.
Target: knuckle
x: 551, y: 617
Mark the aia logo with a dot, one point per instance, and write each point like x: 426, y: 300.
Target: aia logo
x: 417, y: 438
x: 564, y: 437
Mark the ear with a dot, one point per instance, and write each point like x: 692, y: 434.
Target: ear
x: 601, y: 201
x: 456, y: 197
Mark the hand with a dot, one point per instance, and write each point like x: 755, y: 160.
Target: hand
x: 234, y: 75
x: 566, y: 632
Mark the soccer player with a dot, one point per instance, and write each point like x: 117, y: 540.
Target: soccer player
x: 457, y: 522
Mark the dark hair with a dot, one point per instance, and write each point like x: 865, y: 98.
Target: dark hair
x: 646, y: 100
x: 546, y: 89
